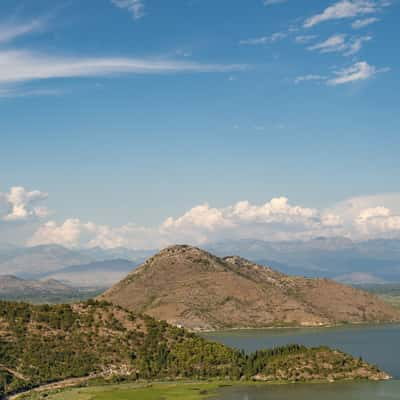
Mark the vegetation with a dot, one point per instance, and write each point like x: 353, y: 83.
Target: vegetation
x: 48, y: 298
x: 390, y: 292
x: 156, y: 391
x: 41, y: 344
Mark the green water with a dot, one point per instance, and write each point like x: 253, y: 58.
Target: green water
x: 377, y: 344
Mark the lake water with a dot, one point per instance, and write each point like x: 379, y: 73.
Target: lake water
x: 377, y: 344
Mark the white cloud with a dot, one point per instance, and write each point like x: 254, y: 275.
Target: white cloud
x: 275, y: 37
x: 338, y: 44
x: 24, y: 66
x: 135, y: 7
x: 356, y: 44
x: 357, y: 72
x: 378, y: 222
x: 362, y: 23
x: 346, y: 9
x: 274, y: 220
x: 362, y: 217
x: 19, y: 204
x: 12, y: 31
x: 335, y: 43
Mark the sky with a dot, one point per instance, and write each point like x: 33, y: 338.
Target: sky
x: 142, y: 123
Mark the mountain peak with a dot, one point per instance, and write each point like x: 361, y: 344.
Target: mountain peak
x: 187, y: 286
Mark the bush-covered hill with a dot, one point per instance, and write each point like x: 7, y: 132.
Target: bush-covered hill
x: 41, y: 344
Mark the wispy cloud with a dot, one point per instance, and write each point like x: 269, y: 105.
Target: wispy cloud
x: 304, y: 39
x: 12, y: 31
x: 310, y: 77
x: 357, y: 72
x: 275, y: 37
x: 356, y: 45
x: 22, y: 91
x: 335, y: 43
x: 24, y: 66
x: 135, y: 7
x: 346, y: 9
x: 273, y: 2
x: 339, y: 44
x: 362, y: 23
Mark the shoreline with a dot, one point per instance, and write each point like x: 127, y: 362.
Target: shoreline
x: 213, y: 385
x: 296, y: 327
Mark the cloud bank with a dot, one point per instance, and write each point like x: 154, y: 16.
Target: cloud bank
x: 278, y: 219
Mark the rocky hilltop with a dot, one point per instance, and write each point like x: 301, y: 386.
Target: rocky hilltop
x: 189, y: 287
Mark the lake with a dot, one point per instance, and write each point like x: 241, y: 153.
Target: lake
x: 377, y: 344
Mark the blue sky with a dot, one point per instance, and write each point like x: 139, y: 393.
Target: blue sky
x: 129, y: 112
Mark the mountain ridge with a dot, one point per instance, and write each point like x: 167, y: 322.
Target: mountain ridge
x: 190, y: 287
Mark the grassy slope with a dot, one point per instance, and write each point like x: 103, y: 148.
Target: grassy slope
x: 168, y: 391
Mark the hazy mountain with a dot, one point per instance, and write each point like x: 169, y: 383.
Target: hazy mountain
x: 321, y: 257
x: 40, y: 261
x: 97, y: 274
x: 190, y: 287
x: 34, y: 261
x: 336, y: 258
x: 48, y: 291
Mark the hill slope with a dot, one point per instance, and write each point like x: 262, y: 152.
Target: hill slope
x: 41, y: 344
x: 189, y: 287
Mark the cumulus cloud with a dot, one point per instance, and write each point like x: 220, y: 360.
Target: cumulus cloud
x: 357, y: 72
x: 275, y: 37
x: 74, y: 233
x: 378, y: 221
x: 346, y: 9
x: 69, y: 233
x: 278, y: 219
x: 135, y: 7
x: 273, y: 220
x: 20, y: 204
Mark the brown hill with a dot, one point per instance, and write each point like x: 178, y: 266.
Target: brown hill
x: 189, y: 287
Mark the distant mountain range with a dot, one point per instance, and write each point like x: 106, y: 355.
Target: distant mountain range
x: 99, y: 274
x: 48, y: 291
x: 83, y: 267
x: 374, y: 261
x: 370, y: 262
x: 190, y: 287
